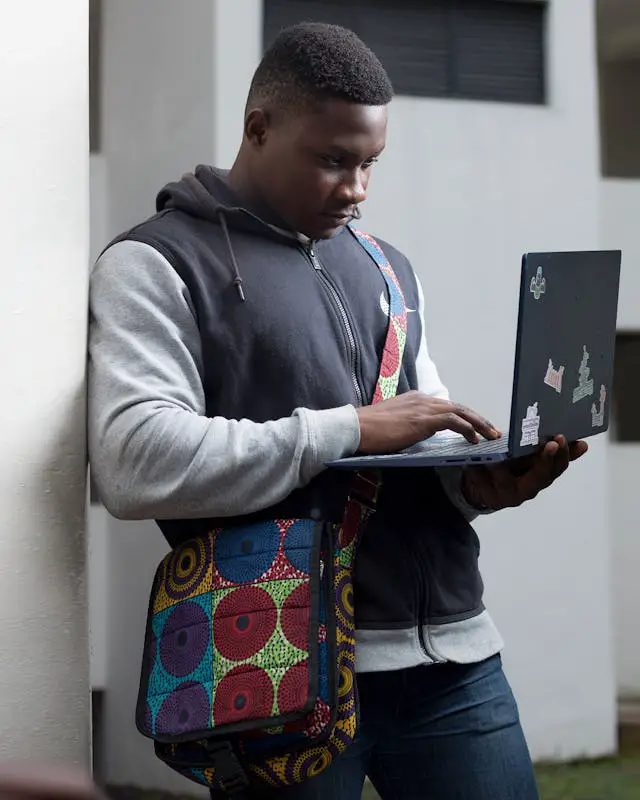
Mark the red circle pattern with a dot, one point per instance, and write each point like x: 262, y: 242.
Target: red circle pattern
x: 391, y: 353
x: 294, y: 617
x: 294, y: 688
x: 244, y: 693
x: 244, y: 622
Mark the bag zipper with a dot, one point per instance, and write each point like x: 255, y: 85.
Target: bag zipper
x: 342, y: 312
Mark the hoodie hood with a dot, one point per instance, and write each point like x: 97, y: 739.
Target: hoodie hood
x: 206, y: 194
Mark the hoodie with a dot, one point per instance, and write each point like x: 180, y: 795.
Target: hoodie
x: 227, y: 359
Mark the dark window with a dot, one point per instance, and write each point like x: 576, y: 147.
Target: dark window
x: 475, y: 49
x: 626, y: 388
x: 619, y: 78
x: 95, y: 77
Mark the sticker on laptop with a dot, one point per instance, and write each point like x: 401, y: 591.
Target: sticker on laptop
x: 597, y: 415
x: 538, y: 284
x: 554, y: 376
x: 585, y: 381
x: 531, y: 427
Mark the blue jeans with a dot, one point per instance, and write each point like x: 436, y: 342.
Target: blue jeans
x: 440, y: 732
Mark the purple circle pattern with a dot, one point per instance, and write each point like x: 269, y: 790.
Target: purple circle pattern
x: 186, y: 709
x: 185, y: 638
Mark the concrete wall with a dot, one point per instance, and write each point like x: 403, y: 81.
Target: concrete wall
x: 620, y: 205
x: 158, y: 122
x: 464, y: 189
x: 44, y: 209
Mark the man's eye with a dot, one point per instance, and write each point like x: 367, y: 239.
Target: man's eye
x: 369, y: 162
x: 332, y: 161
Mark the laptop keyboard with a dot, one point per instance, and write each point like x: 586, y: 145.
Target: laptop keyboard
x: 458, y: 445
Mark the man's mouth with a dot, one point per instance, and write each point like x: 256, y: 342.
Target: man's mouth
x: 341, y: 217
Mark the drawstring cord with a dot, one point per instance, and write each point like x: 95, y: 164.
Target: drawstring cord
x: 237, y: 279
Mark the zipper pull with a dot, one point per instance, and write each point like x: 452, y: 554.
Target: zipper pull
x: 314, y: 259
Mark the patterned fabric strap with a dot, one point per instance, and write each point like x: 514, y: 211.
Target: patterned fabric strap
x: 391, y: 362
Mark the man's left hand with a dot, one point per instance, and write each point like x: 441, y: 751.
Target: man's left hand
x: 510, y: 483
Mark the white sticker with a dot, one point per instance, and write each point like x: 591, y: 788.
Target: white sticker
x: 553, y: 378
x: 538, y: 284
x: 597, y: 417
x: 585, y: 382
x: 530, y: 427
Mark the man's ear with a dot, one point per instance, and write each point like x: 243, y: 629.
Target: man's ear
x: 256, y: 126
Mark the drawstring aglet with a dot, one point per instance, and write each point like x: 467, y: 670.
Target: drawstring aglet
x: 239, y: 288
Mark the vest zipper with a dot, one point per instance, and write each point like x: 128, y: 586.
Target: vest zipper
x: 342, y: 312
x: 423, y: 634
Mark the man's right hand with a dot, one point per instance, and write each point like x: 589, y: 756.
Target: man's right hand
x: 407, y: 419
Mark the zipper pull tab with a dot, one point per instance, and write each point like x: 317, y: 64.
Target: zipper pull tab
x: 314, y: 259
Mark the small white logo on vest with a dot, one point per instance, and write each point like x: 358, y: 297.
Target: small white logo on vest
x: 384, y: 305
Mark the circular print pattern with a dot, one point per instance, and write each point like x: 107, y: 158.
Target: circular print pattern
x: 344, y: 602
x: 244, y: 622
x: 396, y: 300
x: 244, y: 554
x: 391, y: 355
x: 309, y: 764
x: 148, y: 719
x: 244, y: 693
x: 294, y: 617
x: 187, y: 568
x: 151, y: 656
x: 185, y: 639
x: 297, y: 546
x: 294, y: 688
x: 186, y: 709
x: 345, y: 682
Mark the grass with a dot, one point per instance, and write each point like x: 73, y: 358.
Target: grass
x: 610, y: 779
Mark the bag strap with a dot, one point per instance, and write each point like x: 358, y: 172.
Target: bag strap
x: 391, y: 362
x: 366, y: 484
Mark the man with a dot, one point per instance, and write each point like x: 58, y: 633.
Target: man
x: 235, y: 345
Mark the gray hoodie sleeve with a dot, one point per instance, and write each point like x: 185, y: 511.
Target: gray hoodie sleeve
x: 153, y: 452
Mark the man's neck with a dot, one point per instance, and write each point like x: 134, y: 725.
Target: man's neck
x: 239, y: 179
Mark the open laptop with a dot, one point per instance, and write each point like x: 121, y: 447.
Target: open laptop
x: 563, y: 364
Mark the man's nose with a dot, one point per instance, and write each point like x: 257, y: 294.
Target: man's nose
x: 354, y: 188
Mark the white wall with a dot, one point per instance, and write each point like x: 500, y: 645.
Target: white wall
x: 625, y: 460
x: 44, y: 208
x: 620, y: 204
x: 619, y: 208
x: 464, y: 189
x: 159, y: 121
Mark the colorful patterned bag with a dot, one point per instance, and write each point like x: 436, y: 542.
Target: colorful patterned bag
x: 248, y: 671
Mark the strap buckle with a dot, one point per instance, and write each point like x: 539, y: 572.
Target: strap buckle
x: 229, y: 771
x: 365, y: 489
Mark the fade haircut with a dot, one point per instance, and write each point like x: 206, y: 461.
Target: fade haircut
x: 312, y: 62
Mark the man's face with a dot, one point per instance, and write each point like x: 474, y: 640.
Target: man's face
x: 315, y: 166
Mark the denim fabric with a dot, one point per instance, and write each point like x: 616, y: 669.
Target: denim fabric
x: 442, y: 732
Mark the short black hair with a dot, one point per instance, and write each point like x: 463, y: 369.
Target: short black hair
x: 314, y: 61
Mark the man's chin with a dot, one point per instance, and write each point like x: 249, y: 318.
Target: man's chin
x: 327, y: 230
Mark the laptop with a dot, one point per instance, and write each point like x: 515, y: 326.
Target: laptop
x: 563, y: 364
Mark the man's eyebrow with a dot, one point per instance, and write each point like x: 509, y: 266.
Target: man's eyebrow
x: 346, y: 151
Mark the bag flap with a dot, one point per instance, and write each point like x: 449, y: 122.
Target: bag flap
x: 232, y: 632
